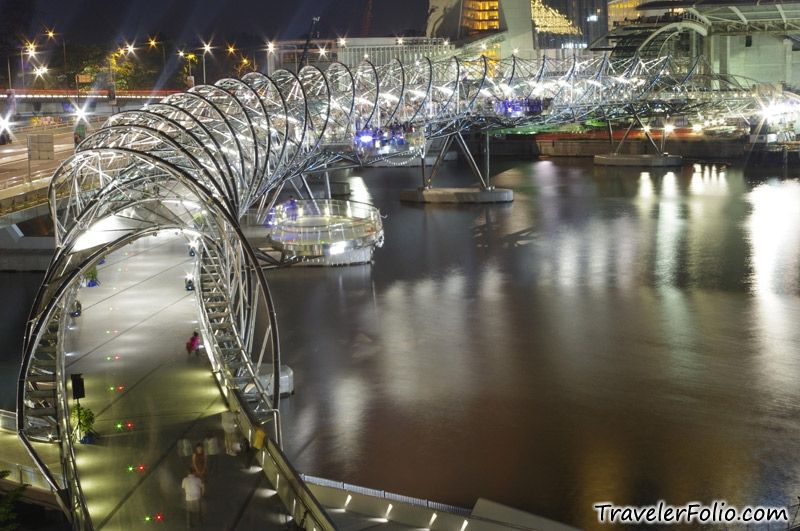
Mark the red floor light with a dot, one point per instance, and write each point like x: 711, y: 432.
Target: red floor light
x: 129, y: 425
x: 159, y: 517
x: 140, y: 468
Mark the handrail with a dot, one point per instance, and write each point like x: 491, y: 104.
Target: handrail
x: 297, y: 498
x: 88, y: 93
x: 27, y: 475
x: 376, y: 493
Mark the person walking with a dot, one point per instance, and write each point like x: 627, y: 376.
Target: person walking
x: 211, y: 447
x: 229, y: 427
x: 193, y: 345
x: 199, y: 462
x: 193, y: 490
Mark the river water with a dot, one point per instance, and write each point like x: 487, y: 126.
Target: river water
x: 611, y: 335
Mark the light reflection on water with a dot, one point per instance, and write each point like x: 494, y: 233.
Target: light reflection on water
x: 611, y: 335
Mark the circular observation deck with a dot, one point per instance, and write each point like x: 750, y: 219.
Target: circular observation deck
x: 326, y: 231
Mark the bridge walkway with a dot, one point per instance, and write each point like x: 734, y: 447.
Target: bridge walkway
x: 129, y: 345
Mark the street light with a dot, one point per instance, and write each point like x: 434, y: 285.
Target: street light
x: 189, y: 57
x: 342, y: 42
x: 28, y: 47
x: 153, y: 43
x: 51, y: 36
x: 206, y: 49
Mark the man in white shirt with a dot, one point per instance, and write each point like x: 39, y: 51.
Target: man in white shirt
x: 193, y: 489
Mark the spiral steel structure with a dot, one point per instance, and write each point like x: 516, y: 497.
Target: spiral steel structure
x: 197, y: 161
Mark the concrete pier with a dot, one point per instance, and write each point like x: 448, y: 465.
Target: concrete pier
x: 644, y: 160
x: 457, y: 195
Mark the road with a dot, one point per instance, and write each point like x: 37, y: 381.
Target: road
x: 14, y: 165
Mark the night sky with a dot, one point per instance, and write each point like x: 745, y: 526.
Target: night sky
x: 121, y: 20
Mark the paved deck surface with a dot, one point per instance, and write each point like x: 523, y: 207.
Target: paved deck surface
x: 129, y: 345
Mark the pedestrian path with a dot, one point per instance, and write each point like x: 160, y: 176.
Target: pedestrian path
x: 147, y: 394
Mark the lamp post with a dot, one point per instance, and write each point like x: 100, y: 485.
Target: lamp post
x: 271, y: 58
x: 153, y: 43
x: 51, y: 36
x: 206, y: 49
x: 30, y: 49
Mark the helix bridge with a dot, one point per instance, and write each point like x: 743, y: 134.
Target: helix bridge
x: 200, y: 161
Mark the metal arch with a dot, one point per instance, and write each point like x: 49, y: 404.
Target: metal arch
x: 293, y: 95
x: 675, y: 28
x: 341, y: 84
x: 266, y: 87
x: 363, y: 69
x: 392, y: 86
x: 245, y: 165
x: 423, y: 95
x: 218, y: 154
x: 259, y: 119
x: 147, y: 116
x: 315, y: 92
x: 223, y: 138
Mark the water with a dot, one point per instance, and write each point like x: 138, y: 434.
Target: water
x: 17, y: 291
x: 608, y: 336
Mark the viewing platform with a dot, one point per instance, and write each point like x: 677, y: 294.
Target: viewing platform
x: 325, y: 231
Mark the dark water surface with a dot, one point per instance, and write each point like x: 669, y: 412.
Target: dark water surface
x: 609, y: 336
x: 17, y: 291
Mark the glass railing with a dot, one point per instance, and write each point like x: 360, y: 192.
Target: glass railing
x: 325, y: 222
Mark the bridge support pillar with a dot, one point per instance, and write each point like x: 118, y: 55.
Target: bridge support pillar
x: 484, y: 193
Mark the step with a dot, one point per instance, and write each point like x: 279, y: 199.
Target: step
x: 40, y: 411
x: 49, y: 394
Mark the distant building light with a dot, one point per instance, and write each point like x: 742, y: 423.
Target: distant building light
x: 591, y: 18
x: 571, y: 45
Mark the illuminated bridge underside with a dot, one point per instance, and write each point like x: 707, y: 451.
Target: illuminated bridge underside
x: 197, y: 161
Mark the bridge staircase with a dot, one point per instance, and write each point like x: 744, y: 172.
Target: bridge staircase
x: 41, y: 389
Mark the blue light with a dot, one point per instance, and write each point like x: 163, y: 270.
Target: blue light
x: 365, y: 139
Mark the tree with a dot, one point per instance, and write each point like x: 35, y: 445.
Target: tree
x: 8, y: 502
x: 82, y: 419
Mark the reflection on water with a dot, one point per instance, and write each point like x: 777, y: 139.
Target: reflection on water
x: 611, y: 335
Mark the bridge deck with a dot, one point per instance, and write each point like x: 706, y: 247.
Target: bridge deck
x: 129, y: 346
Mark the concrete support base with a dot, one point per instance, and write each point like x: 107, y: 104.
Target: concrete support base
x: 649, y: 161
x: 457, y: 195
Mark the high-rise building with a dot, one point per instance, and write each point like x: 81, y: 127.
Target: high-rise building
x: 523, y: 27
x: 590, y: 16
